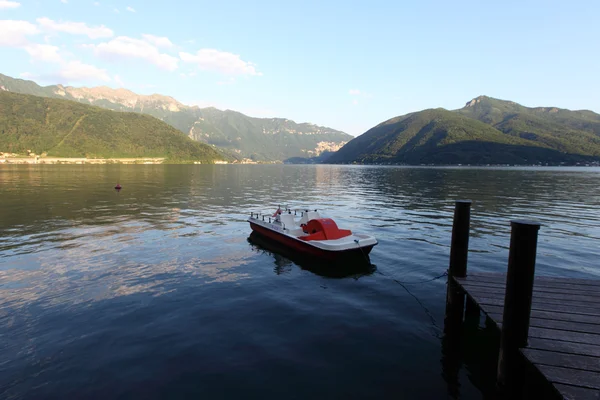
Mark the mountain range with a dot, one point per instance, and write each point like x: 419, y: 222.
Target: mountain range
x: 63, y: 128
x: 240, y: 136
x: 484, y: 131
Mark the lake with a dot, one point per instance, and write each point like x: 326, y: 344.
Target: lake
x: 155, y: 291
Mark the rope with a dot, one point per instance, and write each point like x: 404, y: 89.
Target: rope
x: 419, y: 282
x: 396, y: 280
x: 363, y: 253
x: 427, y: 312
x: 401, y: 283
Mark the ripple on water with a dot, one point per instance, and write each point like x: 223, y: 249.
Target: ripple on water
x: 156, y: 292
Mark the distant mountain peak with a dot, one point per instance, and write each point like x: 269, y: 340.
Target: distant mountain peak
x: 488, y: 100
x: 476, y: 100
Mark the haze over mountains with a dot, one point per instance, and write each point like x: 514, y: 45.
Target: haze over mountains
x: 485, y: 131
x: 240, y: 136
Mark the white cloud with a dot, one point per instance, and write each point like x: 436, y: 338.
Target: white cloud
x: 96, y: 3
x: 64, y: 1
x: 118, y: 81
x: 126, y: 47
x: 130, y: 9
x: 14, y: 33
x: 158, y: 41
x: 5, y: 4
x: 43, y: 52
x: 220, y: 61
x: 188, y: 75
x: 360, y: 93
x: 229, y: 81
x: 70, y: 73
x: 75, y: 28
x: 76, y: 71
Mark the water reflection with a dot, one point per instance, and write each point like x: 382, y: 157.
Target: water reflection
x: 164, y: 271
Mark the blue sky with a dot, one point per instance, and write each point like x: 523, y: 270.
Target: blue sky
x: 348, y: 65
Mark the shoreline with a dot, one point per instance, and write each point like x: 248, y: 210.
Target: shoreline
x: 80, y: 160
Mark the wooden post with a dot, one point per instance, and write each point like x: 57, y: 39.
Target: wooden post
x: 455, y: 298
x: 459, y: 247
x: 517, y: 298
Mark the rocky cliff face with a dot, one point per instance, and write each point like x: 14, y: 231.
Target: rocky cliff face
x: 123, y: 97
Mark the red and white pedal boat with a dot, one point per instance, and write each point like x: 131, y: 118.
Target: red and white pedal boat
x: 309, y: 234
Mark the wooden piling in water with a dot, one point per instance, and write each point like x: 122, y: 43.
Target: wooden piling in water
x: 517, y: 297
x: 459, y: 249
x: 455, y: 296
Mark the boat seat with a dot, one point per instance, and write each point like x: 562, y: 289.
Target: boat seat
x: 313, y: 215
x: 324, y: 229
x: 287, y: 220
x: 309, y: 215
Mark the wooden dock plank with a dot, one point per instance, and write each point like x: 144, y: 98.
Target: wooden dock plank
x: 587, y: 363
x: 551, y: 315
x: 574, y: 304
x: 484, y: 299
x: 556, y: 334
x: 565, y: 326
x: 572, y: 298
x: 570, y: 376
x: 564, y: 332
x: 564, y: 288
x: 577, y: 392
x: 559, y: 346
x: 577, y: 290
x: 565, y: 336
x: 557, y: 325
x: 541, y: 279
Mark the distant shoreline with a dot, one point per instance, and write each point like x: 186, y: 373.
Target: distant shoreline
x: 17, y: 159
x: 79, y: 160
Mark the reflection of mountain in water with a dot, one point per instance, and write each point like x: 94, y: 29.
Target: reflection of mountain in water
x: 51, y: 205
x: 285, y: 258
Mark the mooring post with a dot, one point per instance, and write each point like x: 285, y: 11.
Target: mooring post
x: 455, y: 298
x: 517, y: 298
x: 459, y: 249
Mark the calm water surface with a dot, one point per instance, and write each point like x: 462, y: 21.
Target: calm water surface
x: 155, y: 292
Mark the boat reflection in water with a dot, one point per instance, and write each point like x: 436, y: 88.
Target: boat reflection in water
x: 285, y: 258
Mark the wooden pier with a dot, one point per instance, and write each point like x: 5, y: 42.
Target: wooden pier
x: 550, y: 326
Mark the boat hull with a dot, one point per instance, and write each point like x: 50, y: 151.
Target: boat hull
x: 306, y: 249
